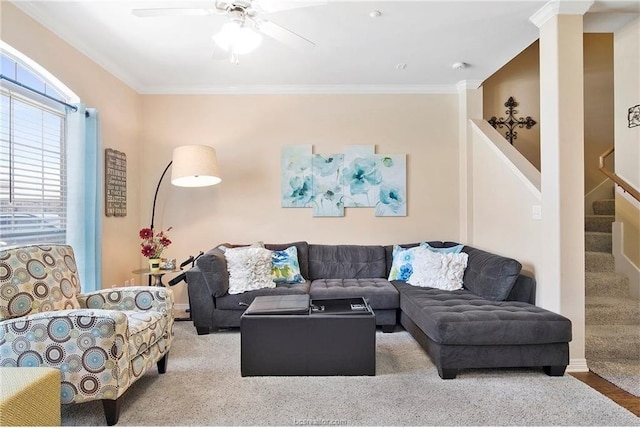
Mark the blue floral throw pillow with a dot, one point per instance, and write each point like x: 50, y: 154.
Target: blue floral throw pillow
x: 285, y: 267
x: 402, y: 264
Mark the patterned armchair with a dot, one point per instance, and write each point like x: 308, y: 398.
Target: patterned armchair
x: 101, y: 342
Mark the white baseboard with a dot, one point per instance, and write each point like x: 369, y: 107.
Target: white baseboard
x: 622, y: 263
x: 577, y: 365
x: 180, y: 310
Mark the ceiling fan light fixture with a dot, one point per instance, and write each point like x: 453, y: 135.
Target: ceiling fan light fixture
x: 237, y: 38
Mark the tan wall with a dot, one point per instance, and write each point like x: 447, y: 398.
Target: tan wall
x: 119, y: 110
x: 627, y: 143
x: 248, y: 133
x: 520, y: 78
x: 598, y: 105
x: 502, y: 220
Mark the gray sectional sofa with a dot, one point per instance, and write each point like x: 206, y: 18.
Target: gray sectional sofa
x: 491, y: 322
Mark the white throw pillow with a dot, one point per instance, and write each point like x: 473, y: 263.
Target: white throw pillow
x: 438, y: 270
x: 249, y: 269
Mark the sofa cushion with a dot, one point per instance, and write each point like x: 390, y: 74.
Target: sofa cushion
x: 402, y: 265
x: 241, y: 301
x: 400, y: 257
x: 388, y: 249
x: 346, y: 261
x: 489, y: 275
x: 249, y: 269
x: 302, y: 248
x: 378, y: 292
x: 462, y: 318
x: 437, y: 270
x: 37, y: 279
x: 285, y: 266
x: 454, y: 249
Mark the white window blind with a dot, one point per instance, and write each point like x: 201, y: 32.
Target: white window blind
x: 32, y: 171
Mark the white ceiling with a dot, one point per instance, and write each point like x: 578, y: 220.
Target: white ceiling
x: 354, y: 52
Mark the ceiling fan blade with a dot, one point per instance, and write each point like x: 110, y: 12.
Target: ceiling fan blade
x: 153, y: 13
x: 283, y: 35
x: 268, y: 6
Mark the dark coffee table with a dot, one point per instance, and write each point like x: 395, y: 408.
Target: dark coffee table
x: 290, y: 335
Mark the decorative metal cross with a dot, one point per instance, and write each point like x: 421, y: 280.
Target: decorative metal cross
x: 511, y: 122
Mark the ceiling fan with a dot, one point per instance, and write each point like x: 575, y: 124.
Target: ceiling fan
x: 243, y: 32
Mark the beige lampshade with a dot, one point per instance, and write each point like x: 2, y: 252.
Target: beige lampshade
x: 194, y: 166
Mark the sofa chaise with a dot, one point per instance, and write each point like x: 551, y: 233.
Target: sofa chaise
x: 491, y: 322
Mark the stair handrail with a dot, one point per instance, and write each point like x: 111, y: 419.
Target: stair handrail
x: 615, y: 177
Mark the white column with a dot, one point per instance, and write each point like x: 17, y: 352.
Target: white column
x: 469, y: 107
x: 561, y: 279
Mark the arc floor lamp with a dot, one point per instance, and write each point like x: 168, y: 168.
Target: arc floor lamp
x: 193, y: 166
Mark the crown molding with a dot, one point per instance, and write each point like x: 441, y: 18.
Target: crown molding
x: 299, y: 89
x: 31, y: 9
x: 560, y: 7
x: 50, y: 24
x: 464, y: 85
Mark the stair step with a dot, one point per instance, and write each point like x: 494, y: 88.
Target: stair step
x: 604, y: 207
x: 598, y: 241
x: 598, y: 223
x: 612, y: 310
x: 600, y: 338
x: 599, y: 262
x: 606, y: 284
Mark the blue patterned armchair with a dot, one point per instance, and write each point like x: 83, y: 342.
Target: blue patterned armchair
x: 101, y: 342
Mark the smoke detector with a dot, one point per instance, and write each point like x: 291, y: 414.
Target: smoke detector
x: 459, y: 65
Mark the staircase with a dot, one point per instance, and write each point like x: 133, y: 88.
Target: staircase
x: 612, y: 315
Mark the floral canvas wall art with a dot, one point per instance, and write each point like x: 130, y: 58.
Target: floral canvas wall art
x: 327, y: 183
x: 361, y: 177
x: 357, y: 178
x: 297, y: 180
x: 393, y: 186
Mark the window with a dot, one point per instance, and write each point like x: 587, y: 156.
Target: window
x: 33, y: 191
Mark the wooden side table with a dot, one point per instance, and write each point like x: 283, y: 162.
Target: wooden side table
x: 156, y: 277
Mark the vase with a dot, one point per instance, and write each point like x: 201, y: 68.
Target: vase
x: 154, y: 265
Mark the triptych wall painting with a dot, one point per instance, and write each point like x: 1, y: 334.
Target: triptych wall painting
x: 356, y: 178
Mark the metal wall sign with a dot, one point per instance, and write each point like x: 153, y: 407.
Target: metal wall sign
x: 115, y: 181
x: 634, y: 116
x: 511, y: 122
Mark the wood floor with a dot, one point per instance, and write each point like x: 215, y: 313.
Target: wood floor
x: 606, y: 388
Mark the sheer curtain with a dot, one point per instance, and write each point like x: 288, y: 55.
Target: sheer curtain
x: 84, y: 200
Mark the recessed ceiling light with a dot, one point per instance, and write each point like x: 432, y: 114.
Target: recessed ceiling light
x: 375, y: 13
x: 401, y: 66
x: 459, y: 65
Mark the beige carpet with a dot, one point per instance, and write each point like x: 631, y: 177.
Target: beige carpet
x: 203, y: 387
x: 612, y: 325
x: 612, y: 314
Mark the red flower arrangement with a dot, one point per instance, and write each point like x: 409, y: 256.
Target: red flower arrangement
x: 152, y: 246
